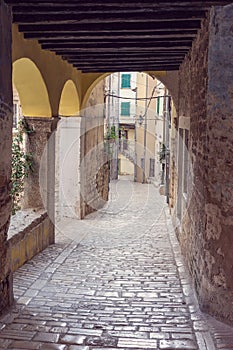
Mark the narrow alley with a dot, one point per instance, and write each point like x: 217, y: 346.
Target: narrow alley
x: 115, y: 280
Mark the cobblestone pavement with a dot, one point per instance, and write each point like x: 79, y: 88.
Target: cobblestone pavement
x: 113, y: 281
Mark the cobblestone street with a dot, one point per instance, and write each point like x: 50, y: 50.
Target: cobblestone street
x: 115, y: 280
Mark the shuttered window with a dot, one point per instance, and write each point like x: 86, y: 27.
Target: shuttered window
x: 125, y: 81
x: 125, y: 108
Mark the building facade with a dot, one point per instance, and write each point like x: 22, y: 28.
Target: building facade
x: 135, y: 107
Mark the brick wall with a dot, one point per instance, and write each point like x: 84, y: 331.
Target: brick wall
x: 205, y: 96
x: 6, y: 294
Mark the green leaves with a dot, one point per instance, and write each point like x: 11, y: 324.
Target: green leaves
x: 22, y: 164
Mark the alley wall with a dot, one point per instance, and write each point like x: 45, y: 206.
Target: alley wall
x: 204, y: 207
x: 6, y: 292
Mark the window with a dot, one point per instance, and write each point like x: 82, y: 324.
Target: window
x: 125, y: 108
x: 125, y: 81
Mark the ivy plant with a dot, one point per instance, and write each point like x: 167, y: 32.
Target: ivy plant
x: 21, y: 166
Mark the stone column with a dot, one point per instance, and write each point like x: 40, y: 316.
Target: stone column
x: 6, y: 291
x: 39, y: 191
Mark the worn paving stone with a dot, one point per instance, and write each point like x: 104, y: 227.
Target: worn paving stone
x: 25, y: 345
x: 77, y: 347
x: 123, y: 286
x: 177, y: 344
x: 50, y: 346
x: 46, y: 337
x: 70, y: 339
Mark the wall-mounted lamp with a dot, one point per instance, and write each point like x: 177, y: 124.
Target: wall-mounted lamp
x: 140, y: 120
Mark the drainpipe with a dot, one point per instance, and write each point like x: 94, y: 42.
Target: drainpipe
x: 167, y: 152
x: 145, y: 132
x: 135, y: 135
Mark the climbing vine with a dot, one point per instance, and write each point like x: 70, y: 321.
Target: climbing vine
x: 21, y: 166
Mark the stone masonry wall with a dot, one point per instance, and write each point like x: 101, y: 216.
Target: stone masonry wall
x: 94, y: 171
x: 6, y: 292
x: 206, y: 95
x: 216, y: 293
x: 29, y: 234
x: 192, y: 104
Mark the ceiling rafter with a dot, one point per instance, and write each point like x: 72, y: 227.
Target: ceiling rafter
x: 114, y: 35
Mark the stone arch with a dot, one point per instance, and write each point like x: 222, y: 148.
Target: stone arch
x: 169, y: 79
x: 90, y: 87
x: 69, y: 102
x: 31, y: 87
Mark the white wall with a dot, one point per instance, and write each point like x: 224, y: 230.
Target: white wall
x: 68, y: 168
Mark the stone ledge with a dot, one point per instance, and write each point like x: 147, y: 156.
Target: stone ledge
x: 30, y: 232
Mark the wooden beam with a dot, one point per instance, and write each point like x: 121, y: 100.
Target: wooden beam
x: 140, y: 68
x: 101, y: 59
x: 121, y: 3
x: 118, y: 41
x: 189, y: 35
x: 118, y: 44
x: 122, y: 54
x: 83, y: 9
x: 124, y: 25
x: 110, y: 17
x: 119, y: 53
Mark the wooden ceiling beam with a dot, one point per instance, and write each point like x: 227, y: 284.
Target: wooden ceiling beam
x: 122, y: 53
x: 122, y: 61
x: 109, y: 26
x: 140, y: 68
x: 115, y: 44
x: 117, y: 35
x: 110, y: 17
x: 110, y: 58
x: 113, y: 40
x: 81, y: 9
x: 118, y: 46
x: 114, y: 35
x: 150, y: 66
x: 120, y: 3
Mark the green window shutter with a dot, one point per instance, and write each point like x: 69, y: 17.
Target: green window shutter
x: 125, y: 81
x: 125, y: 108
x: 158, y: 105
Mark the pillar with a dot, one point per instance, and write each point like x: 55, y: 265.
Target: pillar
x: 68, y: 168
x: 39, y: 191
x: 6, y: 291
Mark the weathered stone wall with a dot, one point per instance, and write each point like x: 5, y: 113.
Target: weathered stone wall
x: 6, y: 293
x: 39, y: 186
x: 94, y: 171
x: 217, y: 283
x: 206, y: 97
x: 30, y: 232
x: 192, y: 104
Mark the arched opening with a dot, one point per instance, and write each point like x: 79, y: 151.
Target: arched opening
x: 69, y: 102
x: 31, y: 88
x: 135, y: 125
